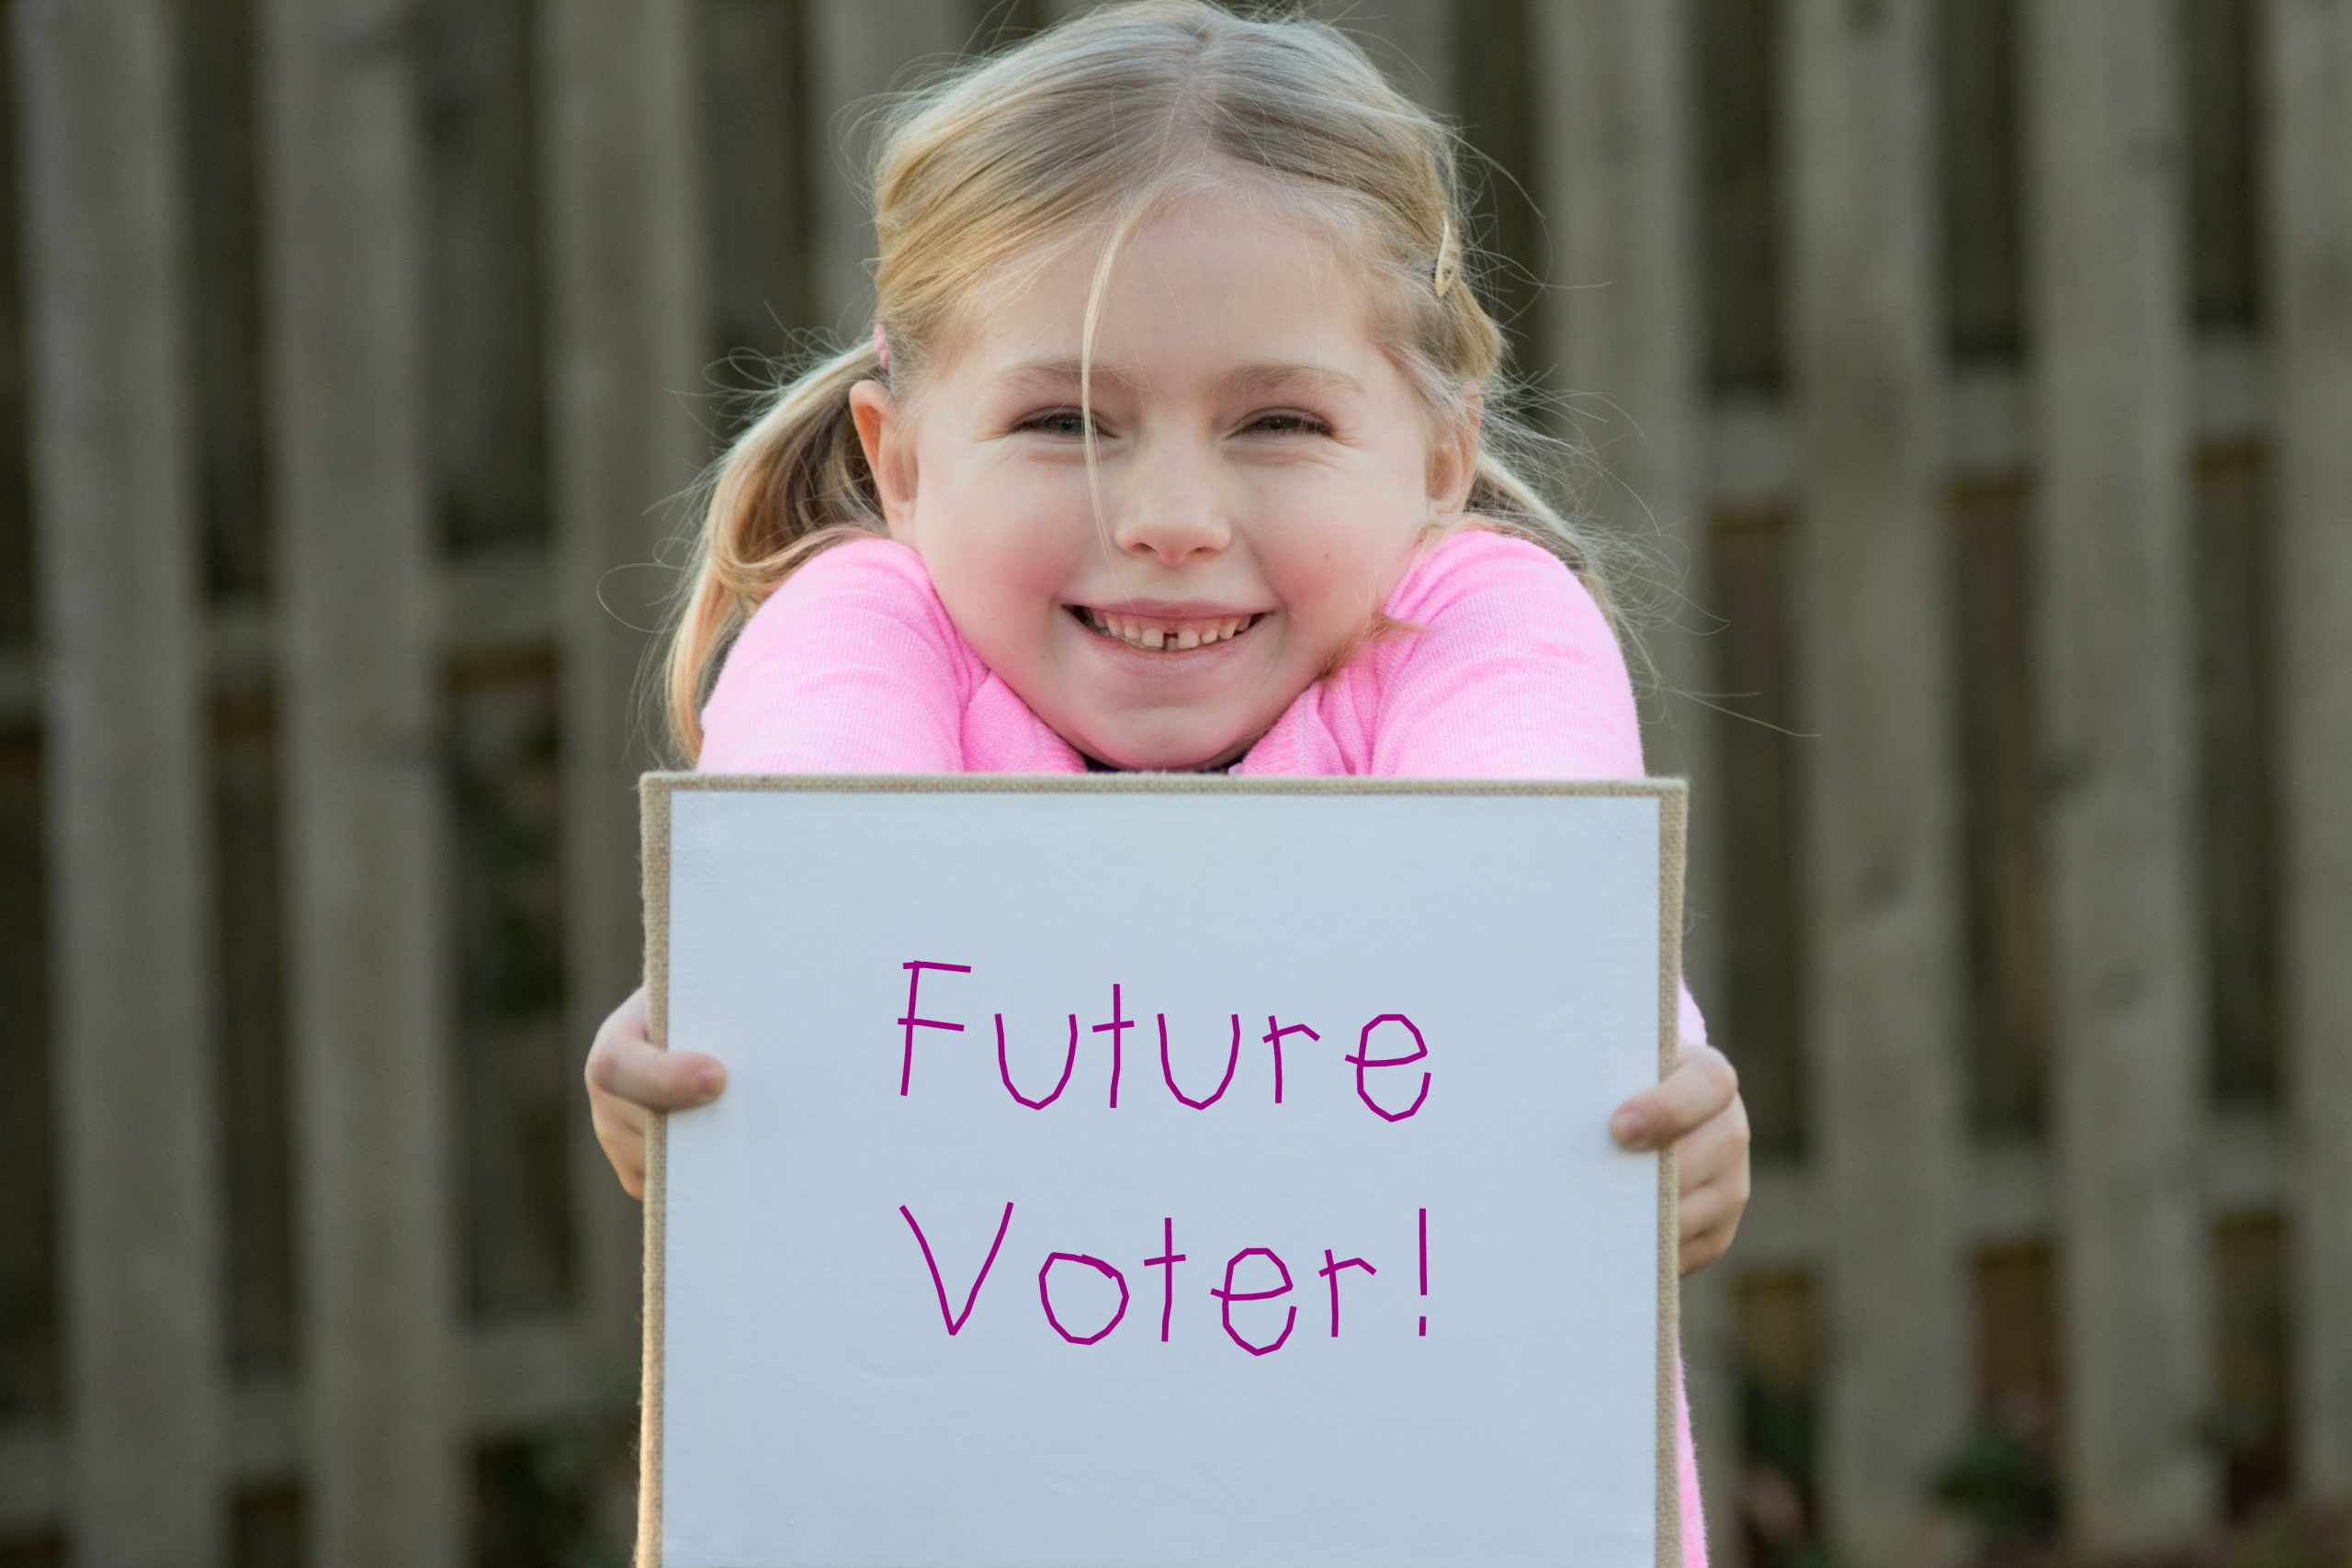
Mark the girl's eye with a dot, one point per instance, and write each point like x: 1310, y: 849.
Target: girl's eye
x: 1071, y: 423
x: 1059, y: 422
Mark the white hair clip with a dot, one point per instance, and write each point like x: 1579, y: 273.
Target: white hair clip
x: 1448, y: 262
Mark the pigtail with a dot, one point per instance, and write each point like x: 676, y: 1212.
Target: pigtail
x: 793, y: 483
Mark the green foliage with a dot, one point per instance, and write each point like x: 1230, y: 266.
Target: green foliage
x: 2003, y: 1481
x: 564, y: 1496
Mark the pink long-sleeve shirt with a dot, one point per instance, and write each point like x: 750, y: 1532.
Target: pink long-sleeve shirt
x: 854, y: 666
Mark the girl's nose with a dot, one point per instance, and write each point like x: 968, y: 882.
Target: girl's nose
x: 1174, y: 512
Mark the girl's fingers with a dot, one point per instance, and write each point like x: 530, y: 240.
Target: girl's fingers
x: 1710, y: 1208
x: 624, y: 1063
x: 625, y: 1146
x: 1716, y: 1152
x: 1699, y: 1251
x: 1710, y: 1219
x: 645, y: 1075
x: 1702, y: 1085
x: 628, y: 1075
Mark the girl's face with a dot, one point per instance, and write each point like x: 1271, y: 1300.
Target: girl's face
x: 1266, y: 471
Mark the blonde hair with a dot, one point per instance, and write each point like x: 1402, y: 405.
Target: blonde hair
x: 1099, y: 120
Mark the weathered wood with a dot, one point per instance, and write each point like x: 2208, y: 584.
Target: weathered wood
x: 367, y: 948
x: 121, y: 585
x: 859, y: 51
x: 1881, y: 802
x: 629, y: 322
x: 2115, y: 640
x: 1613, y: 127
x: 2308, y: 76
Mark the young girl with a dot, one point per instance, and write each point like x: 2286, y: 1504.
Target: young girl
x: 1169, y: 450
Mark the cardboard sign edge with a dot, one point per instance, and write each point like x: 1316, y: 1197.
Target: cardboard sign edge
x: 655, y: 791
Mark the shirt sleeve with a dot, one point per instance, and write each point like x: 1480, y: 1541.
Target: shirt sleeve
x: 849, y: 665
x: 1691, y: 1505
x: 1515, y: 672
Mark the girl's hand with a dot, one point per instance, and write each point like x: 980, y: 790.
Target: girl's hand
x: 629, y: 1076
x: 1697, y: 1110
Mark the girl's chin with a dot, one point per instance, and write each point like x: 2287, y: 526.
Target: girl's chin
x: 1169, y: 755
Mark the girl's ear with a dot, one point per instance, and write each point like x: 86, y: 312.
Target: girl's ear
x: 890, y: 455
x: 1453, y: 464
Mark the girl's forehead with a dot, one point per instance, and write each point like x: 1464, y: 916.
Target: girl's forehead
x: 1204, y: 281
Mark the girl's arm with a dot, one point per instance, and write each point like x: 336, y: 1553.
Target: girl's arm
x: 849, y: 665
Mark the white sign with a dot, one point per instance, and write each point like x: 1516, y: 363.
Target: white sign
x: 1160, y: 1171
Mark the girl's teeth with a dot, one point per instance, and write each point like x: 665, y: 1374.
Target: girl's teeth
x: 1196, y: 634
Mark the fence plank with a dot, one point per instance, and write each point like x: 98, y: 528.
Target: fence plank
x: 2114, y: 637
x: 1881, y: 804
x: 631, y: 313
x: 1615, y: 132
x: 368, y: 1004
x: 120, y: 582
x: 858, y: 49
x: 2308, y: 73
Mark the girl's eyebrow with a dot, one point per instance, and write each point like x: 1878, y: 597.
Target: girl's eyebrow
x: 1243, y: 379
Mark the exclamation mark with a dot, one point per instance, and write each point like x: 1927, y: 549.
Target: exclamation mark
x: 1425, y: 1270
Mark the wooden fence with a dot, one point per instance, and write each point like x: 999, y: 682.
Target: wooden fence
x: 1982, y: 369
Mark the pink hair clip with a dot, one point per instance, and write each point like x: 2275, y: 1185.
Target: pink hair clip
x: 882, y: 348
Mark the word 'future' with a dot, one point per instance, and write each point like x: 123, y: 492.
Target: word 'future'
x: 1361, y: 1058
x: 1364, y: 1062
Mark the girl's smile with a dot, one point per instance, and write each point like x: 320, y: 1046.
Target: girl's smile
x: 1263, y: 472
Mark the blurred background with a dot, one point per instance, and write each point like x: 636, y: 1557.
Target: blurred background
x: 1977, y: 372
